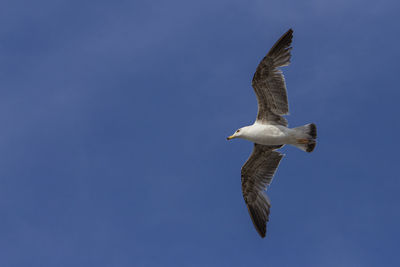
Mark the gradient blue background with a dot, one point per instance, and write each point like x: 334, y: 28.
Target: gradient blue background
x: 113, y: 118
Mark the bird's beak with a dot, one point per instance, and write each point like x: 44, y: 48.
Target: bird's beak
x: 230, y: 137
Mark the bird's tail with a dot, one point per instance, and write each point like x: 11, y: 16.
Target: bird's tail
x: 306, y: 136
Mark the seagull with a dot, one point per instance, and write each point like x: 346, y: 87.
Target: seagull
x: 270, y: 132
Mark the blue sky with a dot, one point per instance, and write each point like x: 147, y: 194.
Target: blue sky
x: 113, y: 121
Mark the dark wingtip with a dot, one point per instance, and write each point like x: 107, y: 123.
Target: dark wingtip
x: 283, y: 42
x: 259, y: 223
x: 287, y: 36
x: 262, y: 231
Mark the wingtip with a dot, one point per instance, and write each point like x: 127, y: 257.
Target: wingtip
x: 282, y: 45
x: 288, y: 32
x: 263, y: 234
x: 259, y: 225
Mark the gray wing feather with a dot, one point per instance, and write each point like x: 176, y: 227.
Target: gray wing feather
x: 269, y: 82
x: 257, y: 174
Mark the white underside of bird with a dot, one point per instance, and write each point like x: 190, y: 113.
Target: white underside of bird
x: 270, y: 134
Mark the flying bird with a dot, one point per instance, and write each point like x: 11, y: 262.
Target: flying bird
x: 270, y: 132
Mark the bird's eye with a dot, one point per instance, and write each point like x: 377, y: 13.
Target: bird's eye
x: 238, y: 131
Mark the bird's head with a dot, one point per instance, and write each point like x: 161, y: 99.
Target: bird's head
x: 238, y: 133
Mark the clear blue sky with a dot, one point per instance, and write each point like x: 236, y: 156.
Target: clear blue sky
x: 113, y: 119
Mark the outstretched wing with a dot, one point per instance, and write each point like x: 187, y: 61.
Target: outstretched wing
x: 269, y: 83
x: 257, y: 174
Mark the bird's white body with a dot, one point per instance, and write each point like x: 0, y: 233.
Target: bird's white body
x: 269, y: 134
